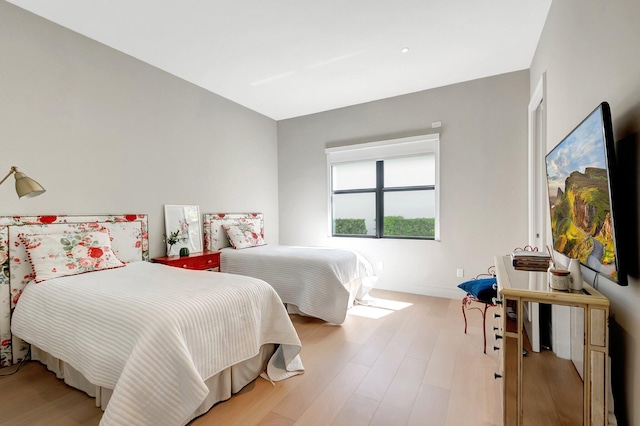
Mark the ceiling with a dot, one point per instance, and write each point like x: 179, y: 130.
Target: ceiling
x: 288, y: 58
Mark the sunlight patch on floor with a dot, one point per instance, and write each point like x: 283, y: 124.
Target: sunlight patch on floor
x: 371, y: 307
x: 369, y: 312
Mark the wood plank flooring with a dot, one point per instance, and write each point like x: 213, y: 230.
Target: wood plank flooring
x: 411, y: 366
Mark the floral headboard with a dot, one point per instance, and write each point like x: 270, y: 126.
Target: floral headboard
x: 129, y: 241
x: 214, y: 236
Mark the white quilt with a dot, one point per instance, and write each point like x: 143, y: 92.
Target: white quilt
x: 132, y: 329
x: 319, y: 282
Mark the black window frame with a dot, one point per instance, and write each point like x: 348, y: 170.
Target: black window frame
x: 379, y: 191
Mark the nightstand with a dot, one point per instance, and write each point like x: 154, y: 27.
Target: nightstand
x: 206, y: 260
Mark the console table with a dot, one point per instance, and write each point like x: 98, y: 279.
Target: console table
x: 540, y: 388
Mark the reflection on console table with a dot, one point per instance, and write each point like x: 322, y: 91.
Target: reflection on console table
x: 541, y: 388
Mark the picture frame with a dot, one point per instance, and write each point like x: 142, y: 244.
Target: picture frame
x: 185, y: 221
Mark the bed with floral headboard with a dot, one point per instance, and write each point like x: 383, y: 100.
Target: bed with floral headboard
x: 138, y: 336
x: 316, y: 281
x: 130, y: 242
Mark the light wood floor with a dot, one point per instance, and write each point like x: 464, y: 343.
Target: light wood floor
x: 412, y: 366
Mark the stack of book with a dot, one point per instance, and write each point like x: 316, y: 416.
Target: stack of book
x: 526, y: 260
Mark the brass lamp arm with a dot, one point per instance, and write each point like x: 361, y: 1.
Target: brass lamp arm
x: 12, y: 171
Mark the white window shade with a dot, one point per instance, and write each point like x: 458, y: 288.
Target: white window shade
x: 384, y: 149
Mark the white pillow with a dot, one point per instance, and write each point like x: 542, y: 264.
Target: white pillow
x: 69, y: 253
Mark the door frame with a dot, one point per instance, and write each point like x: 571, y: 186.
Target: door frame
x: 537, y: 207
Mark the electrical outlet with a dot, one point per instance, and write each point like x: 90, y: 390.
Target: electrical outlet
x: 460, y: 272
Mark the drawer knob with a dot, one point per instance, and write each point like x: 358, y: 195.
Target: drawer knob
x: 497, y: 301
x: 184, y: 266
x: 209, y: 261
x: 495, y: 328
x: 496, y: 315
x: 497, y: 376
x: 498, y: 336
x: 496, y: 348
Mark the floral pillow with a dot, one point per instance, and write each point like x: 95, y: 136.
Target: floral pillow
x: 70, y: 253
x: 243, y: 235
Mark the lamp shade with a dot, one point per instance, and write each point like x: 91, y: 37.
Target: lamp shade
x: 27, y: 187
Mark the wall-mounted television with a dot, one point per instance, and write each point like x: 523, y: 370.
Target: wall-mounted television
x: 581, y: 184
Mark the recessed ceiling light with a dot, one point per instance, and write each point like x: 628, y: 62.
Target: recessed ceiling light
x: 405, y: 50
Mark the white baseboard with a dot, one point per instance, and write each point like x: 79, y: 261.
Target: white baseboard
x: 443, y: 292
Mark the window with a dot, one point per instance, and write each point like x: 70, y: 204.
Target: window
x: 385, y: 189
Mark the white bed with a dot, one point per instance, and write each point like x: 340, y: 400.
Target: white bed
x: 154, y: 344
x: 314, y: 281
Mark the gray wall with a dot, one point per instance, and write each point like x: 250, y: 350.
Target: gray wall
x: 589, y: 52
x: 483, y: 146
x: 106, y: 133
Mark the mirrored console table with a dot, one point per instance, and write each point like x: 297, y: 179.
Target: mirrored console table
x: 540, y: 387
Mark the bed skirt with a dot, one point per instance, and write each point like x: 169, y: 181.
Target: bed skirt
x: 221, y: 386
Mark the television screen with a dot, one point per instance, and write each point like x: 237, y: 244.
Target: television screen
x: 579, y: 177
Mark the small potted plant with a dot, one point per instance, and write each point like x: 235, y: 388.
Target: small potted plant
x: 173, y: 239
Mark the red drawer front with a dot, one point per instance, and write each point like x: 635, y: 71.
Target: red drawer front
x: 205, y: 261
x: 195, y: 261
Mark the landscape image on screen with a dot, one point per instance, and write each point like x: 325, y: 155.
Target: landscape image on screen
x: 581, y: 222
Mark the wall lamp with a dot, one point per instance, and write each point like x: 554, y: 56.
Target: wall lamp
x: 25, y: 186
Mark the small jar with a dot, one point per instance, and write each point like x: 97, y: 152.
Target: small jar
x: 559, y: 279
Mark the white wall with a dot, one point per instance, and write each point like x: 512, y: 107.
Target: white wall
x: 483, y: 145
x: 106, y: 133
x: 589, y: 51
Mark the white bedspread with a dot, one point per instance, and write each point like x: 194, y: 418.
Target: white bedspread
x: 132, y: 329
x: 319, y: 282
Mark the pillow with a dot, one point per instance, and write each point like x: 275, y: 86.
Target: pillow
x: 70, y: 253
x: 482, y: 288
x: 243, y: 235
